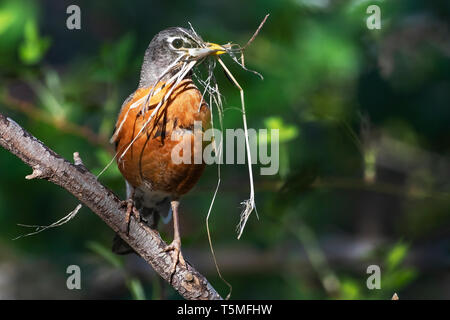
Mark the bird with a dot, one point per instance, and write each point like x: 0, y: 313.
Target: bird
x: 149, y: 119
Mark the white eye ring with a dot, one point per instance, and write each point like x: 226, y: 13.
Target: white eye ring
x: 177, y: 43
x: 180, y: 41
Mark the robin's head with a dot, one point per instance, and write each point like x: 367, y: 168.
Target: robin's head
x: 168, y: 46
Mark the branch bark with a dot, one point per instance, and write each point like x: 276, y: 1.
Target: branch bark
x: 76, y: 179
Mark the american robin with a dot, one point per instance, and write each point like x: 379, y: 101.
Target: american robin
x: 143, y: 133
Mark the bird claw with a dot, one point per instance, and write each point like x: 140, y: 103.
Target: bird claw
x: 131, y: 210
x: 177, y: 256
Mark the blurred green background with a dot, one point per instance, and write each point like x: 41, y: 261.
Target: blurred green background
x: 364, y: 119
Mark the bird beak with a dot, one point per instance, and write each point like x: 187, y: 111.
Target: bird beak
x: 215, y: 49
x: 212, y: 49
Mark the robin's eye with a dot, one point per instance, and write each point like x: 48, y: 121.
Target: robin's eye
x: 177, y: 43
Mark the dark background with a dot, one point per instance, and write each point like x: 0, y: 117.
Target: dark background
x: 364, y: 147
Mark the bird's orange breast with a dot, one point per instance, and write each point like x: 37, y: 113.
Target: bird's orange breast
x: 148, y: 162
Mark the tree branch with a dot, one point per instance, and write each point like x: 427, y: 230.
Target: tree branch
x: 76, y: 179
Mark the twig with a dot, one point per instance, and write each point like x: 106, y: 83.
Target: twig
x: 218, y: 151
x: 256, y: 32
x: 60, y: 222
x: 249, y: 204
x: 83, y: 185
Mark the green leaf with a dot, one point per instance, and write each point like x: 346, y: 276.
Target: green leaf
x: 136, y: 289
x: 398, y: 279
x: 287, y: 132
x: 396, y: 255
x: 349, y: 290
x: 33, y: 47
x: 7, y: 19
x: 50, y: 95
x: 13, y: 16
x: 370, y: 157
x: 105, y: 253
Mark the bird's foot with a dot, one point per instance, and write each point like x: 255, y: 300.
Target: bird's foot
x: 177, y: 256
x: 131, y: 210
